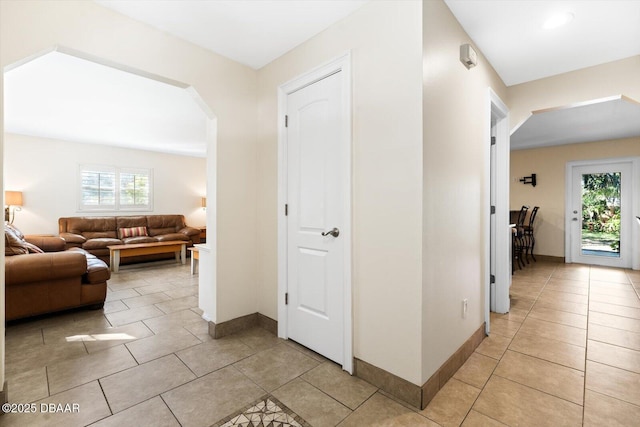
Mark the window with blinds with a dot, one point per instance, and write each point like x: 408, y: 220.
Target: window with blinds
x: 108, y: 188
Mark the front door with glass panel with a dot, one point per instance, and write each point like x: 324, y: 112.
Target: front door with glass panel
x: 600, y: 214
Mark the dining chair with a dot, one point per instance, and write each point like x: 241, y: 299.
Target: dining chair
x: 519, y: 239
x: 530, y: 240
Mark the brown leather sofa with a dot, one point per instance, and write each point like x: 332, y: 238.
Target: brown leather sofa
x: 94, y: 234
x: 41, y: 277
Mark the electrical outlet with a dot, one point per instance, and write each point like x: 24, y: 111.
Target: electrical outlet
x: 465, y: 305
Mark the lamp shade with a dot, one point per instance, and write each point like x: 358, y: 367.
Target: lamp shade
x: 13, y: 198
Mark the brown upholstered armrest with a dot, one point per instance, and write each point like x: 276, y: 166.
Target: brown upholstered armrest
x: 73, y: 238
x: 190, y: 231
x: 97, y: 271
x: 39, y: 267
x: 47, y: 243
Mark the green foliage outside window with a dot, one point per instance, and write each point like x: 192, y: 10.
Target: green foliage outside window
x: 601, y: 207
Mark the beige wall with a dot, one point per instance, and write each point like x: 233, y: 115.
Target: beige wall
x: 456, y: 114
x: 178, y: 181
x: 385, y: 43
x: 614, y: 78
x: 549, y: 164
x: 229, y: 89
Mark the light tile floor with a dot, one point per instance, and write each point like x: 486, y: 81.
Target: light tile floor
x: 568, y: 353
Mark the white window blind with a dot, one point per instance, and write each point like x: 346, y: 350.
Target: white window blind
x: 134, y: 188
x: 108, y: 188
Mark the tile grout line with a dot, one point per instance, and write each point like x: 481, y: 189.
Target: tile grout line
x: 46, y: 371
x: 585, y: 344
x: 611, y: 344
x: 538, y: 390
x: 169, y: 408
x: 505, y: 351
x: 105, y: 398
x: 586, y: 347
x: 633, y: 285
x: 351, y: 411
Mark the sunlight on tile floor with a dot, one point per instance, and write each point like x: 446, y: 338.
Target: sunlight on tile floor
x: 568, y: 353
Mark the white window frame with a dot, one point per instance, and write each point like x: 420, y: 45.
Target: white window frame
x: 117, y: 206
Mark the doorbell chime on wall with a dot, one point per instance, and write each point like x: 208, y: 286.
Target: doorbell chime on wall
x: 468, y: 56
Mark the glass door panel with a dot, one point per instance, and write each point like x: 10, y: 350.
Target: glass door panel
x: 601, y: 214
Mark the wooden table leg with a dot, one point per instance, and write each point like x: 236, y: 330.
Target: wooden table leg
x: 115, y: 262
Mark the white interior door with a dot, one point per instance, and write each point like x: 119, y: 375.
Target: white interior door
x: 492, y: 216
x: 316, y: 194
x: 601, y: 198
x: 497, y: 254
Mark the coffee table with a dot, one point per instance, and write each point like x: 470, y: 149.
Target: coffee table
x: 116, y: 252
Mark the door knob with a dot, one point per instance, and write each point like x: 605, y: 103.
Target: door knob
x: 335, y: 232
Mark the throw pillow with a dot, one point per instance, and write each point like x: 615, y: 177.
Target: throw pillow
x: 14, y: 243
x: 15, y: 231
x: 32, y: 248
x: 133, y: 232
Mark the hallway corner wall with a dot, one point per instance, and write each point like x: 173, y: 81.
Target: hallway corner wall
x: 455, y: 112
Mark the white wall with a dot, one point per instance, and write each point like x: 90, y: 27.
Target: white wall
x: 46, y: 171
x: 385, y: 42
x: 455, y: 145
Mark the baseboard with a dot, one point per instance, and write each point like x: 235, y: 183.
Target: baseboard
x: 268, y: 323
x: 239, y: 324
x: 4, y: 395
x: 449, y: 368
x: 414, y: 395
x: 388, y: 382
x: 549, y: 258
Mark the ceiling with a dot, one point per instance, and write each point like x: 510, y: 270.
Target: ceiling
x: 511, y: 35
x: 61, y: 96
x: 252, y: 32
x: 127, y: 109
x: 578, y: 123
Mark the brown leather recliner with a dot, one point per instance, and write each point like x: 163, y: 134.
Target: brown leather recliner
x: 41, y: 277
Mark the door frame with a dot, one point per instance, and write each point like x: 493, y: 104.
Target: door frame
x: 499, y: 302
x: 340, y: 64
x: 635, y: 203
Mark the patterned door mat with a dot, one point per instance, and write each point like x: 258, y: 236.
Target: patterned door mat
x: 264, y: 412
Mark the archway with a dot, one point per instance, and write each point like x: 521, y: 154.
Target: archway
x: 207, y: 261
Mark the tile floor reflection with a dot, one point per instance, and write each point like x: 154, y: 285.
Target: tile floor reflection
x: 568, y: 353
